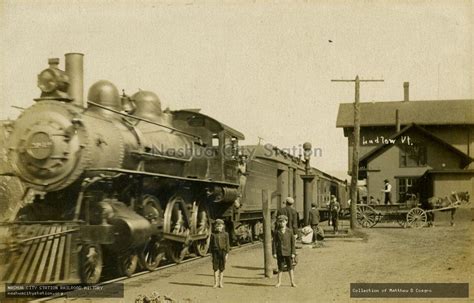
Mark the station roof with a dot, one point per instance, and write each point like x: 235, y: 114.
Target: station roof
x: 424, y: 132
x: 432, y: 112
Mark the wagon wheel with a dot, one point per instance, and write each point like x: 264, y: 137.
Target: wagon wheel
x: 90, y: 263
x: 152, y: 254
x: 176, y: 223
x: 201, y: 226
x: 402, y: 221
x: 416, y: 217
x: 127, y: 263
x: 367, y: 216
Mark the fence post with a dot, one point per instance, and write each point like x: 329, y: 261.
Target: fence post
x: 267, y: 232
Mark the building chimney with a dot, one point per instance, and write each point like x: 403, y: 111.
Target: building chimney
x: 75, y: 72
x: 406, y: 91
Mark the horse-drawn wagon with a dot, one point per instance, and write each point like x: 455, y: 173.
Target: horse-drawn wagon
x: 410, y: 213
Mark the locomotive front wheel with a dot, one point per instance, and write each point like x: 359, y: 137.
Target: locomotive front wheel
x: 416, y: 217
x: 151, y: 255
x: 90, y: 263
x: 201, y: 226
x: 127, y: 264
x: 366, y: 216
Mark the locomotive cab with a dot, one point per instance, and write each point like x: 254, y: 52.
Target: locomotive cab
x: 219, y: 148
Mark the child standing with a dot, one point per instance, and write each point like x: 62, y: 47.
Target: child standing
x: 284, y: 249
x: 220, y: 247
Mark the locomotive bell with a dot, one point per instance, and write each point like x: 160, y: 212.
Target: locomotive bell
x: 148, y: 105
x: 105, y: 93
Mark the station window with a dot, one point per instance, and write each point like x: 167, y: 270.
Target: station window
x: 406, y: 186
x: 412, y: 156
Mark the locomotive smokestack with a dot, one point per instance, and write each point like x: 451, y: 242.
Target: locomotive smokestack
x: 75, y: 71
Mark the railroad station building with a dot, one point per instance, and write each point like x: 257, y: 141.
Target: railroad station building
x: 422, y: 147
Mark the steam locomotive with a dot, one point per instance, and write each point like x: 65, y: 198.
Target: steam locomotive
x: 117, y: 181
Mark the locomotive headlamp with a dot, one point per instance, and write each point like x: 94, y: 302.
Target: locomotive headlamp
x: 52, y: 81
x: 47, y: 81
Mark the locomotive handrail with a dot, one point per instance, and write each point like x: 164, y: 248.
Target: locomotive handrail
x: 151, y: 155
x: 145, y: 120
x: 127, y: 171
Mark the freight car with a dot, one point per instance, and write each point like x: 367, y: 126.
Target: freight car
x: 118, y: 181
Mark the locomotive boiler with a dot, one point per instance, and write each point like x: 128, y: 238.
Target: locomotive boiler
x: 116, y: 176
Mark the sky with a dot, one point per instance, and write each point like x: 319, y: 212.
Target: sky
x: 263, y: 68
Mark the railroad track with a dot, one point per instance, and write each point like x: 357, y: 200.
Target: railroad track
x: 145, y: 272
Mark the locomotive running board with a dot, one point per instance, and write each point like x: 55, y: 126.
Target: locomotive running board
x: 41, y: 253
x: 143, y: 173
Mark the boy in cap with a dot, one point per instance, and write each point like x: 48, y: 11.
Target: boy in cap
x: 291, y: 215
x: 219, y: 246
x: 284, y: 249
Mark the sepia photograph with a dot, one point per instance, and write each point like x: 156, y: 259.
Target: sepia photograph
x: 191, y: 151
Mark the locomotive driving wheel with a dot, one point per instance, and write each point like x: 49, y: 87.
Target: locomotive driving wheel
x: 176, y: 223
x: 366, y: 216
x: 201, y: 226
x: 90, y: 263
x: 152, y: 254
x: 416, y: 217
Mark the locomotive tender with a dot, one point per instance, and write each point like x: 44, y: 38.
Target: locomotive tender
x: 118, y: 182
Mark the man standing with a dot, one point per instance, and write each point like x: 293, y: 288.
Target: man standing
x: 242, y: 170
x: 291, y: 214
x: 334, y: 208
x: 314, y: 221
x: 387, y: 192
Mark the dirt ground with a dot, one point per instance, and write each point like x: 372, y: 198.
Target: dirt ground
x: 387, y: 254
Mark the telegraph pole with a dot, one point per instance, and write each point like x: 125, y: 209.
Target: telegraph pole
x: 355, y: 150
